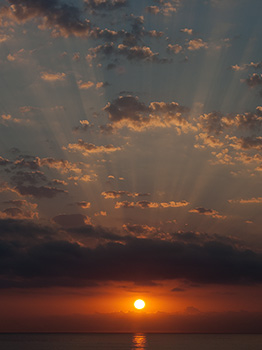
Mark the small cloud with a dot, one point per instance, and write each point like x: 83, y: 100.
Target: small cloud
x: 178, y: 290
x: 254, y: 200
x: 71, y: 220
x: 89, y: 148
x: 84, y: 85
x: 196, y: 44
x: 84, y: 205
x: 52, y: 77
x: 174, y: 48
x: 187, y: 31
x: 208, y: 212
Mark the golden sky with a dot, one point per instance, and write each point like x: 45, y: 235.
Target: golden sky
x: 130, y: 165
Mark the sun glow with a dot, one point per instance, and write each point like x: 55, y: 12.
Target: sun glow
x: 139, y: 304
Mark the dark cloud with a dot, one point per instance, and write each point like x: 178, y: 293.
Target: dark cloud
x: 71, y: 220
x: 104, y: 4
x: 55, y: 262
x: 24, y: 232
x: 254, y: 80
x: 38, y: 192
x: 27, y: 162
x: 3, y: 161
x: 62, y: 18
x: 33, y: 177
x: 247, y: 143
x: 211, y: 122
x: 128, y: 111
x: 177, y: 289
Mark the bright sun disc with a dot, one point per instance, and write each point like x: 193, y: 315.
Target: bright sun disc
x: 139, y: 304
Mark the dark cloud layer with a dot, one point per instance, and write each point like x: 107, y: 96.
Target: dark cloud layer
x: 60, y: 262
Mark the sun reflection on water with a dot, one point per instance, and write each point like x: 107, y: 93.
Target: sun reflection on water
x: 139, y: 341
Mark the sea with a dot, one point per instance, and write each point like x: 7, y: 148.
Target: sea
x: 137, y: 341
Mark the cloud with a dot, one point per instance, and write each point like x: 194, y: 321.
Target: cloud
x: 254, y: 200
x: 63, y: 19
x: 254, y: 80
x: 71, y: 220
x: 128, y: 111
x: 138, y: 53
x: 141, y: 231
x: 118, y: 194
x: 174, y: 48
x: 106, y: 5
x: 84, y: 85
x: 89, y: 148
x: 61, y: 165
x: 150, y: 205
x: 4, y: 37
x: 21, y: 209
x: 246, y: 143
x: 60, y: 262
x: 7, y: 119
x: 84, y: 204
x: 84, y: 125
x: 51, y: 77
x: 38, y: 192
x: 246, y: 66
x: 210, y: 141
x: 165, y: 8
x: 187, y: 31
x: 196, y: 44
x: 4, y: 161
x: 177, y: 289
x: 209, y: 212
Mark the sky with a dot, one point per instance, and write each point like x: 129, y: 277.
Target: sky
x: 130, y: 165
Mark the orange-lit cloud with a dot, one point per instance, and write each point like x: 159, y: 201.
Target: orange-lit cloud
x: 89, y: 148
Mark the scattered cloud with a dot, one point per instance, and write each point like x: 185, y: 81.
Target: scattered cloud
x: 254, y: 200
x: 61, y: 18
x: 208, y: 212
x: 196, y: 44
x: 150, y: 205
x: 119, y: 194
x: 51, y: 77
x: 246, y: 66
x: 71, y: 220
x: 89, y: 148
x: 84, y: 204
x: 128, y: 111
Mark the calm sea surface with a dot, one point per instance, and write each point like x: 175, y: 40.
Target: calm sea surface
x: 136, y: 341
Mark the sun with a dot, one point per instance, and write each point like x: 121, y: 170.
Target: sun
x: 139, y: 304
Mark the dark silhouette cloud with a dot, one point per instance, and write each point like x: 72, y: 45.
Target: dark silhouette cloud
x: 71, y: 220
x: 254, y: 80
x: 38, y: 192
x: 56, y: 261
